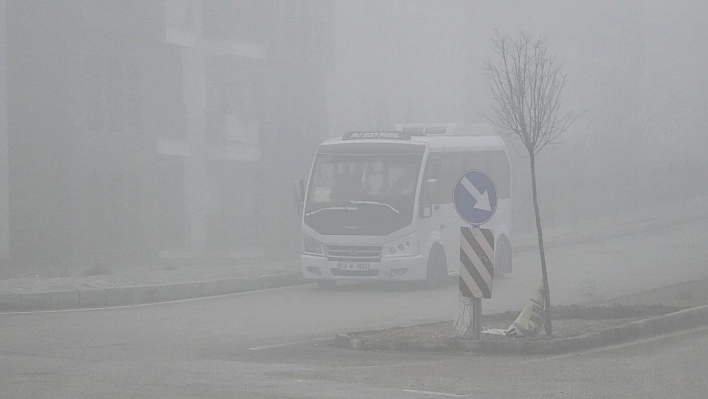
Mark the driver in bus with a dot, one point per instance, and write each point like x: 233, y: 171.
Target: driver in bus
x: 404, y: 185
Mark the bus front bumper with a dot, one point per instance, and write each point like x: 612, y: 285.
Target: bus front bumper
x: 394, y: 269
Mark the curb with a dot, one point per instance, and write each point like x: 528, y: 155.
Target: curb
x: 142, y: 294
x: 680, y: 320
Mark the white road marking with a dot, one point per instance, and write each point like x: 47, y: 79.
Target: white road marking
x: 398, y: 365
x: 257, y: 348
x: 619, y: 346
x: 155, y: 303
x: 430, y: 393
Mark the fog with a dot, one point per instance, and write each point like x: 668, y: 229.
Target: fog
x: 636, y: 68
x: 144, y: 129
x: 158, y: 151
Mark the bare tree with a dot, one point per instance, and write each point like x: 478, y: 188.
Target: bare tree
x: 526, y: 85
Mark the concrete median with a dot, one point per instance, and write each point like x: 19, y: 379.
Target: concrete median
x: 680, y: 320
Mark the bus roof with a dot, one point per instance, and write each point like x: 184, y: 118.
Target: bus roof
x: 449, y: 129
x: 436, y: 143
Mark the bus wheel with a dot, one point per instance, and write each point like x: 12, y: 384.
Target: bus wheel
x: 437, y: 268
x: 502, y: 262
x: 326, y: 284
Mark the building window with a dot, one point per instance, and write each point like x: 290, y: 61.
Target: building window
x: 116, y: 205
x: 233, y: 20
x: 113, y: 96
x: 239, y: 110
x: 170, y: 201
x: 233, y: 223
x: 233, y: 114
x: 139, y: 9
x: 179, y: 14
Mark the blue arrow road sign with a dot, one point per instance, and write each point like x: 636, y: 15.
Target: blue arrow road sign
x: 475, y: 197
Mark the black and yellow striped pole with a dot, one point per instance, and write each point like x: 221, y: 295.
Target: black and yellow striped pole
x: 476, y: 270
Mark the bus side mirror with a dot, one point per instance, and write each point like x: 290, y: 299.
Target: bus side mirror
x: 299, y: 195
x: 431, y: 189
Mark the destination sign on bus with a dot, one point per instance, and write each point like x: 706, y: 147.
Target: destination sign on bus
x: 377, y: 136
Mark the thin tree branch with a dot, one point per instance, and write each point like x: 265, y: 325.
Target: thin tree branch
x: 526, y: 84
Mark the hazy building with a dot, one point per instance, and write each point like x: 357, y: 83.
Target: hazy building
x: 4, y: 190
x: 141, y: 129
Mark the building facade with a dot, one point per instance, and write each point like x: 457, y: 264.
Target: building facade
x: 161, y: 128
x: 4, y: 170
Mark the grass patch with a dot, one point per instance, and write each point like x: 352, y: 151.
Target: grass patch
x: 96, y: 271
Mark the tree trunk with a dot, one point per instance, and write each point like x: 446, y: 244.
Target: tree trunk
x: 546, y: 290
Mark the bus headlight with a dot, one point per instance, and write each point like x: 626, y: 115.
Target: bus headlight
x: 403, y: 247
x: 312, y: 247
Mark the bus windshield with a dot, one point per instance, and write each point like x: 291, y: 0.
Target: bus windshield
x: 361, y: 193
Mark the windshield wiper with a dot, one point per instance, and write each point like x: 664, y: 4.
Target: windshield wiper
x: 333, y: 208
x: 375, y: 203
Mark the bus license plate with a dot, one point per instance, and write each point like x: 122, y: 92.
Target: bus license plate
x: 353, y: 266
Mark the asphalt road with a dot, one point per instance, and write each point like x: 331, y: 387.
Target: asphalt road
x: 274, y: 343
x: 671, y: 366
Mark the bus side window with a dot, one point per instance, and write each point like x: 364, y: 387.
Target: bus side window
x: 454, y: 166
x: 474, y: 160
x: 432, y: 171
x: 499, y: 171
x: 451, y: 171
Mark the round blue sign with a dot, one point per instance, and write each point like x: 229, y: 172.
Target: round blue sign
x: 475, y: 197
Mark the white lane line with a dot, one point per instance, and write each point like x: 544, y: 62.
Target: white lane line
x: 397, y: 365
x: 257, y: 348
x: 430, y: 393
x: 156, y: 303
x: 619, y: 346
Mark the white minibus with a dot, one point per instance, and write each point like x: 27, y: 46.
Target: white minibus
x: 378, y: 205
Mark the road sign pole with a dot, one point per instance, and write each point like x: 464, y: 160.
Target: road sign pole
x: 476, y: 318
x: 475, y: 200
x: 476, y: 312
